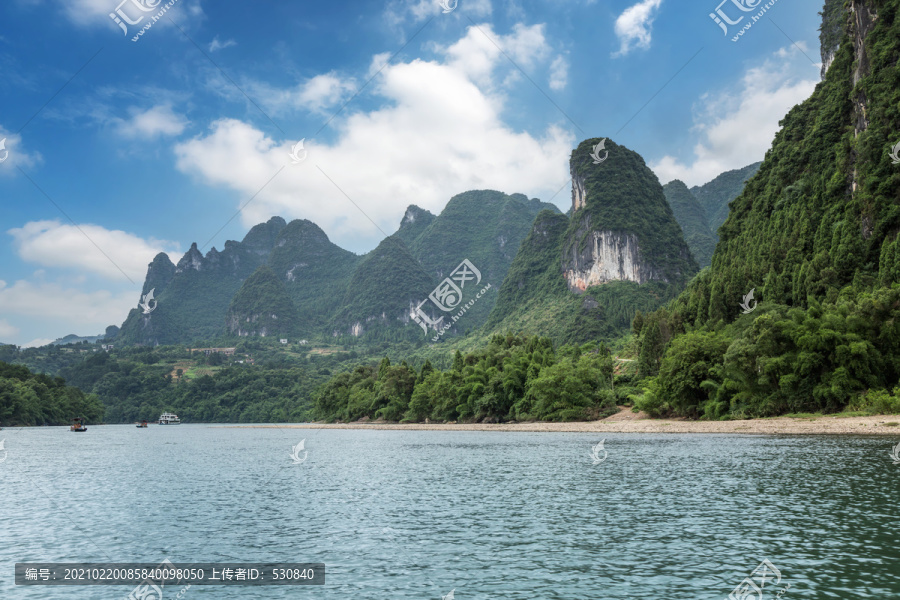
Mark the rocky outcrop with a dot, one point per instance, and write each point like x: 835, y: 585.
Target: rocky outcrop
x: 830, y: 32
x: 192, y: 259
x: 607, y: 256
x: 863, y: 19
x: 579, y: 197
x: 622, y: 227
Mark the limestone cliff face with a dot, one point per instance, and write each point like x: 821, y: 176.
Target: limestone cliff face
x: 608, y: 256
x: 579, y: 197
x: 622, y: 228
x: 830, y: 32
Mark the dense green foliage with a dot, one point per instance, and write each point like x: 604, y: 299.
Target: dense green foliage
x: 832, y: 29
x: 143, y: 383
x: 513, y: 378
x: 693, y: 221
x: 777, y: 360
x: 27, y: 398
x: 314, y: 271
x: 262, y: 307
x: 815, y: 232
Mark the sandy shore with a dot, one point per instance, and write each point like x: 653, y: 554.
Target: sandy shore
x: 628, y: 422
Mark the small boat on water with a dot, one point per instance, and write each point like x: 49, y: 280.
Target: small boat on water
x: 77, y: 425
x: 169, y: 419
x: 142, y: 424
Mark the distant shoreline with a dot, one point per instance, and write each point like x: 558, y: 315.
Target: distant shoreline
x: 628, y: 422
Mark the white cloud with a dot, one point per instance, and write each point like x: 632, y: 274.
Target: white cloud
x: 437, y: 134
x: 398, y: 11
x: 6, y: 330
x: 316, y: 94
x: 559, y: 73
x: 737, y: 127
x: 154, y: 122
x: 322, y: 91
x: 14, y: 155
x: 217, y: 45
x: 56, y: 301
x: 633, y: 26
x: 54, y: 244
x: 478, y: 54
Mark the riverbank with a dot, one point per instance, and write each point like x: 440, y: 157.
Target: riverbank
x: 628, y: 422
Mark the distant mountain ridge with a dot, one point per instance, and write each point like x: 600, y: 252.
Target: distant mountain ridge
x: 290, y: 279
x: 701, y: 210
x: 693, y: 221
x: 715, y: 196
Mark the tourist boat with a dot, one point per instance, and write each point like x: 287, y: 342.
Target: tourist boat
x: 77, y: 425
x: 169, y: 419
x: 142, y: 424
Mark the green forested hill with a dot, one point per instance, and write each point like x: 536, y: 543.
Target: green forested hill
x: 815, y: 234
x: 333, y: 291
x: 27, y: 398
x: 314, y: 271
x: 715, y: 195
x: 262, y: 307
x: 693, y: 221
x: 484, y: 226
x: 193, y: 296
x: 620, y: 199
x: 386, y: 282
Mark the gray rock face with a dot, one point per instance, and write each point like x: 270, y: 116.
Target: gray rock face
x: 607, y: 256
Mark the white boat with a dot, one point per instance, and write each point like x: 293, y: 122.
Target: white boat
x: 169, y: 419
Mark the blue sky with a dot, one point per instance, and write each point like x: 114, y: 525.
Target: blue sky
x: 153, y: 144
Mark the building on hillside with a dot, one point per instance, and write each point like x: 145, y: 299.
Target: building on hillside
x: 208, y: 351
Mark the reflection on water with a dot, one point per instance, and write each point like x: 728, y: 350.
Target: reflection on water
x: 415, y: 514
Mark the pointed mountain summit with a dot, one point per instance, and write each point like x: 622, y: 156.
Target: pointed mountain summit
x: 193, y: 301
x: 584, y: 277
x: 415, y: 221
x: 622, y: 228
x: 261, y: 238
